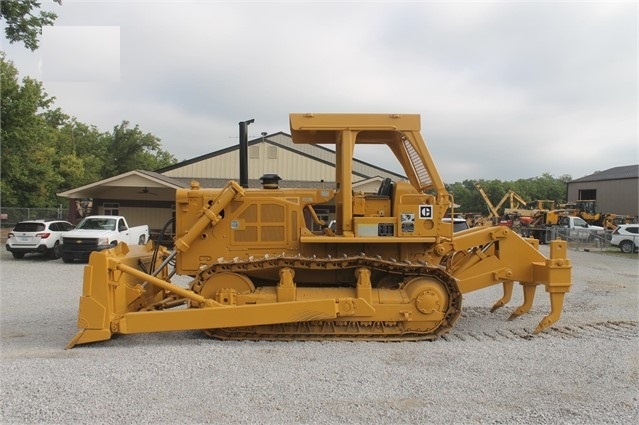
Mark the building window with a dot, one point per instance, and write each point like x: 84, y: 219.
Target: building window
x: 111, y: 208
x: 587, y: 194
x: 272, y: 152
x: 254, y: 152
x: 322, y: 215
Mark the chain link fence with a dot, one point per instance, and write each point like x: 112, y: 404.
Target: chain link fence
x: 9, y: 216
x: 578, y: 239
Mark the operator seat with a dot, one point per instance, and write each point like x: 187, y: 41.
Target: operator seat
x: 386, y: 188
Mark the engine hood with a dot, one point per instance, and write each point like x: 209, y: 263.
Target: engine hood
x: 88, y: 233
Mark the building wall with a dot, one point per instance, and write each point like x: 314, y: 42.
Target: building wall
x: 368, y: 187
x: 155, y: 215
x: 263, y: 158
x: 613, y: 196
x: 306, y: 163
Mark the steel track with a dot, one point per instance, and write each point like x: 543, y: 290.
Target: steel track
x: 342, y: 329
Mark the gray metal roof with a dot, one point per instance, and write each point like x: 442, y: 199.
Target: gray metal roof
x: 185, y: 182
x: 163, y: 178
x: 616, y: 173
x: 285, y: 141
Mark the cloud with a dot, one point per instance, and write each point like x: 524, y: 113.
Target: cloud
x: 80, y: 54
x: 506, y: 90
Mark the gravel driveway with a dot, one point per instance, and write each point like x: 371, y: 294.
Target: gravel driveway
x: 584, y: 370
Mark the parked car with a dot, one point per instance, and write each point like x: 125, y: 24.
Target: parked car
x: 100, y: 232
x: 459, y: 224
x: 576, y: 229
x: 37, y: 236
x: 626, y: 237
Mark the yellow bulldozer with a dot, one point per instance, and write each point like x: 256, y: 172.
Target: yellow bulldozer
x: 587, y: 209
x: 392, y: 269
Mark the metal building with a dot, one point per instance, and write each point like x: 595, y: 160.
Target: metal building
x: 616, y: 190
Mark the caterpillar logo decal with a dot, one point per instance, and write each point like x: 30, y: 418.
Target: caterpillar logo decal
x: 426, y: 212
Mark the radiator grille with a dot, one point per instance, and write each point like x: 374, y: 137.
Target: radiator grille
x: 272, y: 233
x: 247, y: 235
x: 272, y: 213
x: 262, y: 223
x: 250, y: 214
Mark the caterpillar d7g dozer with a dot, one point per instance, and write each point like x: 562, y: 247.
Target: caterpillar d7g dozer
x: 391, y: 270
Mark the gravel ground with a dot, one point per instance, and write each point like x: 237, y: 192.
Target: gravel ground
x: 585, y: 370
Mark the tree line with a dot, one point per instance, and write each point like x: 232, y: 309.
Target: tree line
x: 45, y: 151
x: 544, y: 187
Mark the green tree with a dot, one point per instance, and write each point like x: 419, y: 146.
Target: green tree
x: 131, y: 149
x: 81, y: 150
x: 544, y: 187
x: 27, y: 175
x: 462, y: 195
x: 45, y: 151
x: 23, y: 23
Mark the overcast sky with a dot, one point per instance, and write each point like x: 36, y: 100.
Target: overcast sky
x: 506, y: 90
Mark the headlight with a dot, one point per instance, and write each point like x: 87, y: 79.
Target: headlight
x: 103, y: 241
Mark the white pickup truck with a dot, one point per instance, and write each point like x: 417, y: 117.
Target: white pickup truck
x: 100, y: 232
x: 576, y: 229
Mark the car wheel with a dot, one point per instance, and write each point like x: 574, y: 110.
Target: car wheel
x: 627, y: 247
x: 67, y: 259
x: 56, y: 251
x: 141, y: 240
x: 18, y: 255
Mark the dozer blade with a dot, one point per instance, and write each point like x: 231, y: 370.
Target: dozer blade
x: 85, y: 336
x: 107, y: 293
x: 116, y: 282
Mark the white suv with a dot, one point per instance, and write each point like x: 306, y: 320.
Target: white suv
x: 40, y: 236
x: 626, y: 237
x: 459, y: 224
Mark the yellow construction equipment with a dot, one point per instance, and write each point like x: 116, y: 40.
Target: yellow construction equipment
x: 587, y: 209
x: 517, y: 204
x: 493, y: 214
x: 515, y: 200
x: 391, y: 270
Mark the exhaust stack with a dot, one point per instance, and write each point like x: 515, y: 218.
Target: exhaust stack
x: 244, y: 152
